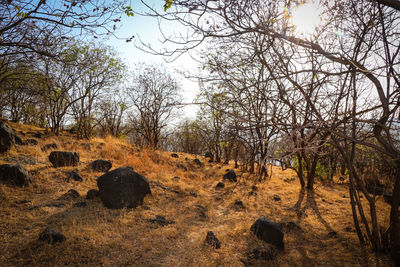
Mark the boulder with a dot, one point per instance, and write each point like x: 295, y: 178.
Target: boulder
x: 122, y: 187
x: 212, y: 240
x: 64, y: 158
x: 268, y: 231
x: 49, y: 146
x: 101, y: 165
x: 14, y: 175
x: 230, y: 176
x: 92, y: 194
x: 174, y: 155
x: 51, y: 236
x: 7, y: 137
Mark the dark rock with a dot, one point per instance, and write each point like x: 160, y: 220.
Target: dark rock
x: 230, y: 176
x: 342, y: 179
x: 212, y: 240
x: 14, y: 175
x: 71, y: 194
x: 211, y: 161
x: 37, y: 135
x: 92, y: 194
x: 51, y: 236
x: 49, y: 146
x: 122, y: 187
x: 31, y: 142
x: 80, y: 204
x: 201, y: 211
x: 101, y: 165
x: 24, y: 201
x: 332, y: 234
x: 181, y: 166
x: 158, y: 219
x: 63, y: 158
x: 174, y: 155
x: 277, y: 198
x: 193, y: 194
x: 18, y: 140
x: 208, y: 155
x: 263, y: 254
x: 75, y: 176
x: 54, y: 205
x: 254, y: 188
x: 227, y: 170
x: 239, y: 203
x: 348, y: 229
x: 252, y: 193
x: 220, y: 185
x: 198, y: 162
x: 7, y: 137
x: 268, y: 231
x: 290, y: 227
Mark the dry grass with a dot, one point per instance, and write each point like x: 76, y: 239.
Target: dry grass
x: 97, y: 236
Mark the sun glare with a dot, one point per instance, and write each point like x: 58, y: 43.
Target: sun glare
x: 306, y: 17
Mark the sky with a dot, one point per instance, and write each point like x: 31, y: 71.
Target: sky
x: 147, y: 30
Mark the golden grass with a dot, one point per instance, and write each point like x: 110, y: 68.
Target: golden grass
x: 97, y: 236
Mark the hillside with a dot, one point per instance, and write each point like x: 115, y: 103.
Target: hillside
x: 319, y: 233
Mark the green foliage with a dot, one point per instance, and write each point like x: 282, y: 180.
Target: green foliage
x: 168, y: 4
x: 128, y: 11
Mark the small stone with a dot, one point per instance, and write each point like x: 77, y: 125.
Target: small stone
x: 174, y: 155
x: 51, y: 236
x: 220, y: 185
x: 75, y: 176
x: 231, y: 176
x: 263, y: 254
x: 239, y: 203
x: 277, y: 198
x: 332, y: 234
x: 212, y: 240
x: 193, y: 194
x: 198, y: 162
x: 161, y: 220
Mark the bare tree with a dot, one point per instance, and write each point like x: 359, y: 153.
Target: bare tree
x: 154, y: 95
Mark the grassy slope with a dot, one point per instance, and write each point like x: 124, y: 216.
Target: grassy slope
x: 97, y: 236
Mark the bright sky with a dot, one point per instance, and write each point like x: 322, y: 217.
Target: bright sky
x: 147, y: 29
